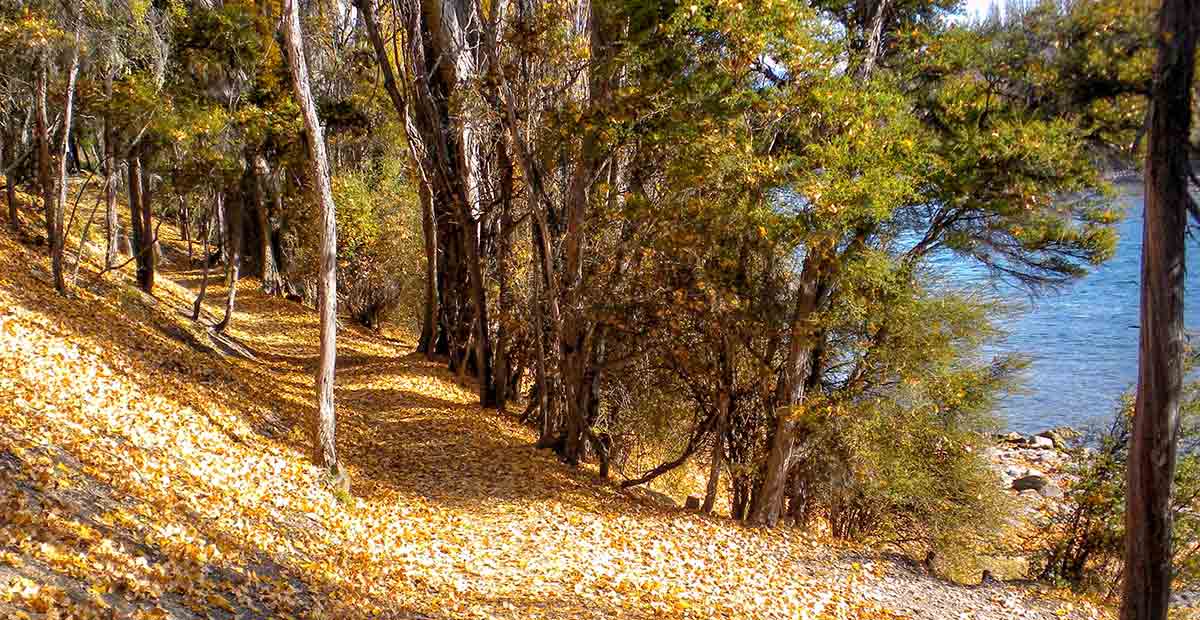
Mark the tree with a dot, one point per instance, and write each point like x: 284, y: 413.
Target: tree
x: 42, y: 130
x: 58, y: 248
x: 324, y: 446
x: 1151, y: 469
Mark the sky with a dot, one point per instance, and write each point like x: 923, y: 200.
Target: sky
x: 977, y: 7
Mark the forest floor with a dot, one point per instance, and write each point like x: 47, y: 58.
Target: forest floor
x: 152, y: 469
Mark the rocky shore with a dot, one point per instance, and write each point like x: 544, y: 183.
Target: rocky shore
x: 1034, y: 466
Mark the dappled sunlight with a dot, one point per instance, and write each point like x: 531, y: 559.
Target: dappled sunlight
x: 146, y: 473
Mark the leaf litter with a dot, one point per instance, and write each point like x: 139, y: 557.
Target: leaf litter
x: 146, y: 473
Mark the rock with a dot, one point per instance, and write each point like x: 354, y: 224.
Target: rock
x: 1012, y: 471
x: 1051, y: 490
x: 1041, y: 442
x: 693, y: 503
x: 1060, y: 436
x: 1030, y: 483
x: 654, y: 496
x: 1013, y: 438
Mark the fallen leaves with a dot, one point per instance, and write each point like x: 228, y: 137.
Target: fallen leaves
x: 143, y: 478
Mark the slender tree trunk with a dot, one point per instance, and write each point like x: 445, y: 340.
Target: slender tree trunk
x: 185, y: 227
x: 10, y: 186
x: 266, y: 254
x: 43, y: 146
x: 768, y: 502
x: 143, y: 225
x: 136, y: 242
x: 874, y: 39
x: 204, y: 234
x: 483, y: 345
x: 233, y: 265
x: 112, y: 227
x: 1151, y: 468
x: 429, y: 322
x: 715, y: 462
x: 60, y: 239
x: 504, y: 275
x: 429, y: 316
x: 324, y: 446
x: 222, y: 247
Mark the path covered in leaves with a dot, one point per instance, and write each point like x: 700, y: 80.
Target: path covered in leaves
x: 149, y: 470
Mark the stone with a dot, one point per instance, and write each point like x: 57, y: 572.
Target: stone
x: 1014, y: 438
x: 1060, y: 436
x: 656, y: 497
x: 1030, y: 483
x: 1041, y: 442
x: 693, y: 503
x: 1051, y: 490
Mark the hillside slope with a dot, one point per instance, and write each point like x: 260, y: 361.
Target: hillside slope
x: 150, y: 469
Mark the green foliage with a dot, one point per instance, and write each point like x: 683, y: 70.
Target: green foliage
x: 380, y: 256
x: 927, y: 487
x: 1083, y: 542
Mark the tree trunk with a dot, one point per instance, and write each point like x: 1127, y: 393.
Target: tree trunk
x: 233, y: 265
x: 429, y: 315
x: 429, y: 321
x: 222, y: 247
x: 143, y: 226
x: 10, y: 186
x: 1151, y: 467
x: 768, y: 501
x: 204, y: 233
x: 503, y: 275
x: 185, y: 228
x: 112, y: 226
x: 482, y: 338
x: 874, y: 40
x: 136, y: 243
x: 717, y: 458
x: 269, y: 271
x: 60, y: 240
x: 43, y: 145
x: 324, y: 447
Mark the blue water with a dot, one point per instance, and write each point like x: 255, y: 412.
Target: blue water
x: 1083, y: 339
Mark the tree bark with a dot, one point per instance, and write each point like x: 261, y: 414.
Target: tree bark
x: 136, y: 243
x: 324, y: 447
x: 58, y: 249
x: 1151, y: 467
x: 269, y: 271
x: 874, y: 39
x: 718, y: 455
x: 429, y: 320
x: 143, y: 226
x: 198, y: 305
x: 112, y: 226
x: 768, y: 504
x: 185, y: 227
x: 10, y: 186
x: 43, y: 145
x: 429, y: 315
x: 503, y: 275
x: 233, y: 265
